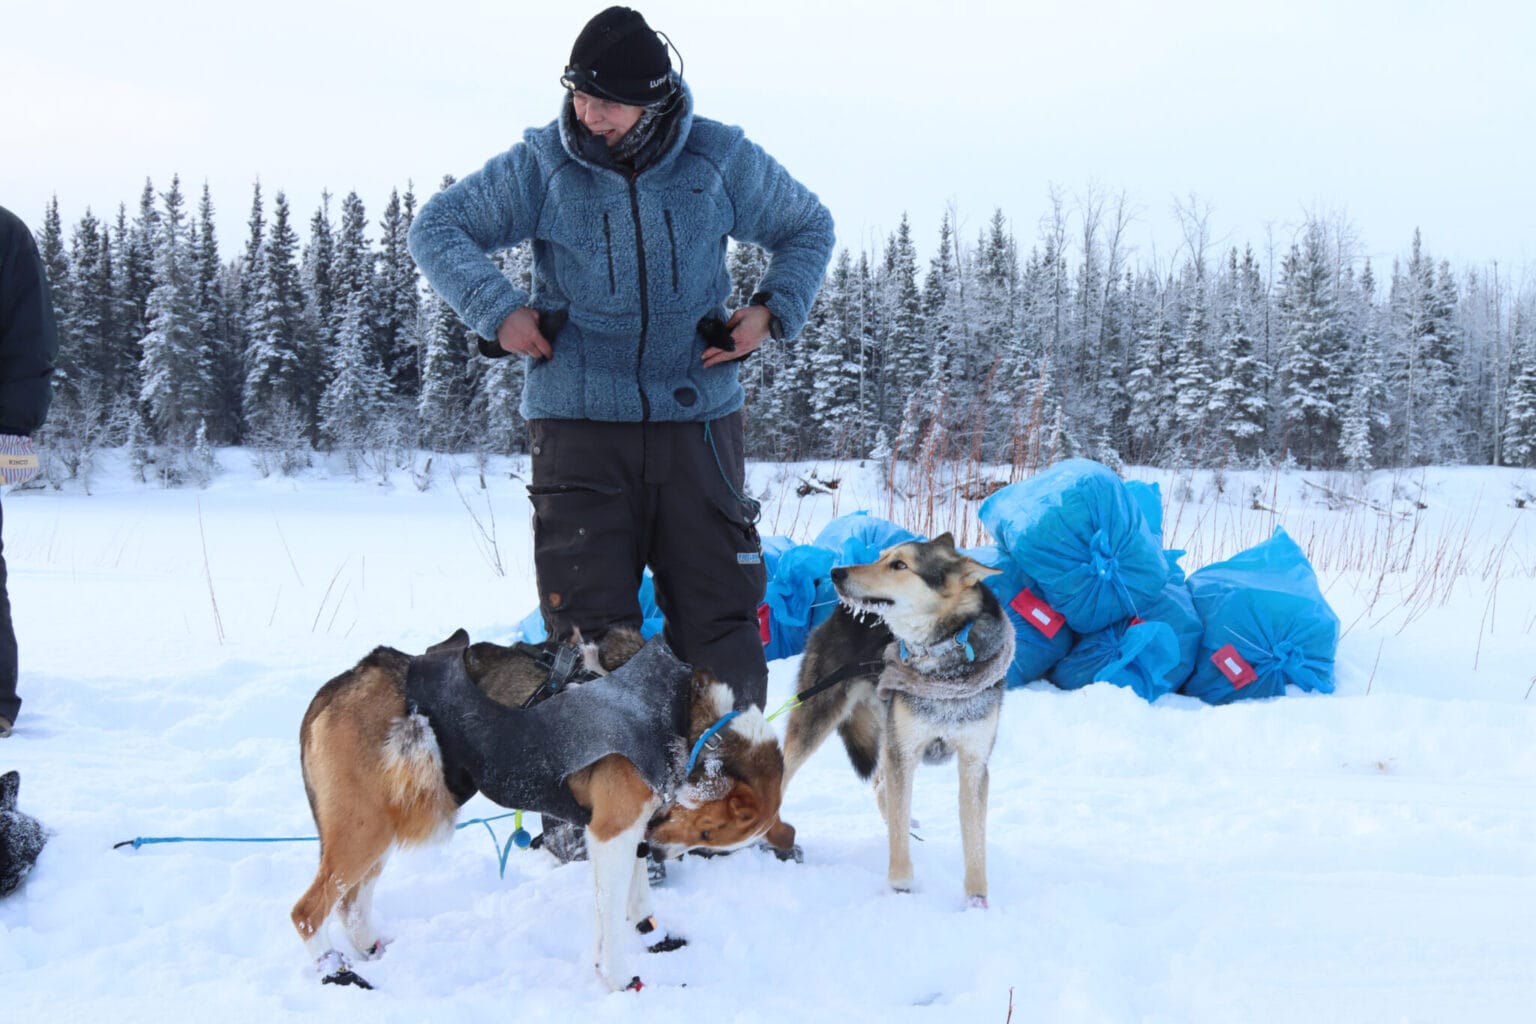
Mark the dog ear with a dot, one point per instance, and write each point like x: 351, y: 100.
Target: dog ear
x: 458, y: 641
x: 702, y: 681
x: 974, y: 572
x: 744, y: 803
x: 945, y: 539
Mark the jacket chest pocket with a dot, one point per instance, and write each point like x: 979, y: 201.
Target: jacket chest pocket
x: 592, y: 261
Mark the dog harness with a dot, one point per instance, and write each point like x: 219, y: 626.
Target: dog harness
x: 957, y: 669
x: 521, y: 757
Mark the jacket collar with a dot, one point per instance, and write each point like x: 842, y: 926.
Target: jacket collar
x: 591, y: 152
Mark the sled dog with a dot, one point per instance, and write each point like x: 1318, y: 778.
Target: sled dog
x: 393, y: 747
x: 923, y: 649
x: 22, y: 837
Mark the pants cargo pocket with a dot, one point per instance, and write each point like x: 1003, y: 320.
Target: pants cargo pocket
x: 584, y: 554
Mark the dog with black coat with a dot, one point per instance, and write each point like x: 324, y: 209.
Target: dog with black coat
x: 922, y: 648
x: 394, y: 746
x: 22, y: 837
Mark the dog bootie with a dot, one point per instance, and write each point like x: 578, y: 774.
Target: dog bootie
x: 564, y: 841
x: 22, y: 837
x: 655, y: 870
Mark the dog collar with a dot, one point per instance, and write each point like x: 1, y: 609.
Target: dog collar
x: 961, y: 639
x: 704, y: 740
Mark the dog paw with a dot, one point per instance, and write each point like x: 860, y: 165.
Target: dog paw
x: 976, y: 903
x: 376, y: 950
x: 792, y: 853
x: 903, y: 888
x: 347, y: 977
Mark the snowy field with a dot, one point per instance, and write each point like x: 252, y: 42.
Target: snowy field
x: 1364, y: 856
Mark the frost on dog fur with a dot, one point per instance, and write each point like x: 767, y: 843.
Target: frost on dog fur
x: 22, y: 836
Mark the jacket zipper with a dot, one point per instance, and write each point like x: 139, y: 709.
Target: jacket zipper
x: 645, y: 306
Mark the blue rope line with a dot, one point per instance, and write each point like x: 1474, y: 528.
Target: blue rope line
x: 519, y: 838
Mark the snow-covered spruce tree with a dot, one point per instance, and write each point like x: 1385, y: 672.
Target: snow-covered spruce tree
x: 216, y: 390
x: 1149, y: 385
x: 443, y: 410
x: 848, y: 400
x: 1420, y: 371
x: 1312, y: 351
x: 941, y: 325
x: 1483, y: 354
x: 138, y: 267
x: 357, y: 393
x: 1519, y: 438
x: 998, y: 349
x: 56, y: 264
x: 1094, y: 385
x: 83, y: 336
x: 831, y: 376
x: 169, y: 350
x: 1239, y: 395
x: 202, y: 464
x: 138, y: 445
x: 904, y: 358
x: 399, y: 305
x: 1191, y: 371
x: 353, y: 270
x: 277, y: 388
x: 319, y: 270
x: 1364, y: 418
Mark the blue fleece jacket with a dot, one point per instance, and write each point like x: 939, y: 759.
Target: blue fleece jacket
x: 635, y: 261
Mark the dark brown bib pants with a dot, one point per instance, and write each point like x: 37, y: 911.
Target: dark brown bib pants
x: 610, y: 499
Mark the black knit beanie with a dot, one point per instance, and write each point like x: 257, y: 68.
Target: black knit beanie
x: 619, y: 57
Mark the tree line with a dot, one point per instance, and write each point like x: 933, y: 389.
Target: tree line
x: 331, y: 342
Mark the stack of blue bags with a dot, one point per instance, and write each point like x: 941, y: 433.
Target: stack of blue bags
x: 1239, y: 629
x: 1101, y: 601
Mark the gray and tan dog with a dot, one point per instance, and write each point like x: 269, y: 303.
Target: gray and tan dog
x: 924, y: 648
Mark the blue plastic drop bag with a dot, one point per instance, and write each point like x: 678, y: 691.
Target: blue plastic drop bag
x: 1037, y: 646
x: 1078, y: 531
x: 858, y: 538
x: 1266, y: 625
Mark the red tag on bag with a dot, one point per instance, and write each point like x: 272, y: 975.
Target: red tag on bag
x: 1231, y: 664
x: 763, y: 617
x: 1037, y: 613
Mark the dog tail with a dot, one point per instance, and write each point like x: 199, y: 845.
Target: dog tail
x: 413, y: 778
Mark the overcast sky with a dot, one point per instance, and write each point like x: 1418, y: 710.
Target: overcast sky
x: 1389, y: 115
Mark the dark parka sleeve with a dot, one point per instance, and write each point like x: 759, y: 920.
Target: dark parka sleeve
x: 29, y: 338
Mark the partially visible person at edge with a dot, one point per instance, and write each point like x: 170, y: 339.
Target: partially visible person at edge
x: 634, y: 410
x: 28, y: 342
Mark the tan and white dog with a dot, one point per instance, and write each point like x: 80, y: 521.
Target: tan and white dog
x: 923, y: 649
x: 393, y: 747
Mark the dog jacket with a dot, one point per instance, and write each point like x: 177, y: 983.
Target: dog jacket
x: 521, y: 757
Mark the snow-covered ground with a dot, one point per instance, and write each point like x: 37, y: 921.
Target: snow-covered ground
x: 1364, y: 856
